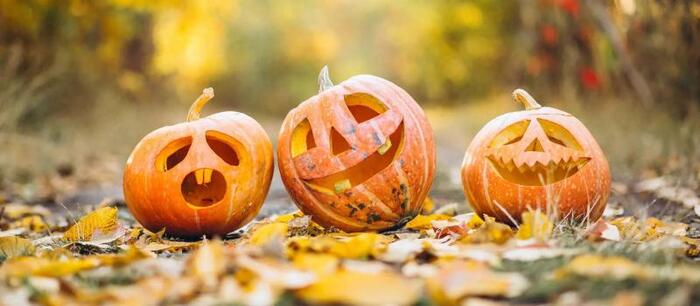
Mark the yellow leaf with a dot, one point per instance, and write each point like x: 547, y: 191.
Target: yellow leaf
x: 208, y: 263
x: 32, y: 223
x: 356, y: 246
x: 99, y: 222
x: 14, y: 247
x: 25, y: 266
x: 475, y: 222
x: 356, y: 288
x: 320, y: 264
x: 268, y: 232
x: 132, y: 254
x: 599, y: 266
x: 487, y: 231
x: 50, y: 267
x: 428, y: 206
x: 535, y: 225
x: 289, y: 217
x: 424, y: 222
x: 461, y: 279
x: 360, y: 246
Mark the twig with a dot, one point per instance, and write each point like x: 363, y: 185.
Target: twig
x: 639, y: 84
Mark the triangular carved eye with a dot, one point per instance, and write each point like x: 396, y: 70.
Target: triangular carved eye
x: 173, y: 154
x: 302, y: 138
x: 510, y: 135
x: 223, y: 146
x: 364, y: 106
x: 338, y: 142
x: 559, y: 135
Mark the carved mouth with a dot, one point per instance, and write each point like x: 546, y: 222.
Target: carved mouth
x: 537, y: 174
x: 362, y: 171
x: 203, y: 187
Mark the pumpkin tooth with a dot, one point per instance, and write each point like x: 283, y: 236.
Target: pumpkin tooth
x: 207, y: 175
x: 510, y: 166
x: 199, y: 176
x: 524, y: 168
x: 385, y: 147
x: 341, y: 186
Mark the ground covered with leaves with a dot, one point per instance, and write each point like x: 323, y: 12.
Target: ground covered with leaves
x: 441, y: 257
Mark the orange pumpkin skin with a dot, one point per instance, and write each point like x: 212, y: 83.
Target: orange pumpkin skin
x: 357, y: 167
x: 218, y: 185
x: 540, y: 158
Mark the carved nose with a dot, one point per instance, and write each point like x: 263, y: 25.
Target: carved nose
x: 203, y: 175
x: 534, y: 146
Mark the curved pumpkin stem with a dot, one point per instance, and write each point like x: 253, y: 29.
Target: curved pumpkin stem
x: 522, y: 96
x: 196, y: 108
x: 324, y: 80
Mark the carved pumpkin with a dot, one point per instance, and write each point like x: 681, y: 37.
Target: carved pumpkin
x: 539, y: 158
x: 206, y: 176
x: 357, y: 156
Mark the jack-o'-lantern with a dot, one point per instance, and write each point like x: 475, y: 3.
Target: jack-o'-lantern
x: 206, y: 176
x: 539, y: 158
x: 357, y: 156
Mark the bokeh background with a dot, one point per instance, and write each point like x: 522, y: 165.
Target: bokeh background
x: 82, y: 81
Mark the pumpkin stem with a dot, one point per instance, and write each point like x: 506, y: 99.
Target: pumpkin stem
x: 520, y: 95
x: 196, y: 108
x: 324, y: 80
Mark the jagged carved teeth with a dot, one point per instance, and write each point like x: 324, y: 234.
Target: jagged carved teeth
x: 570, y: 163
x: 535, y: 173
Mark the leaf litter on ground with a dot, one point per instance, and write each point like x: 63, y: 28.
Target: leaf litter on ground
x: 441, y: 258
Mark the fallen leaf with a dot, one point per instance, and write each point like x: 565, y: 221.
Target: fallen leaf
x: 401, y: 250
x: 61, y: 266
x: 535, y: 225
x: 12, y: 232
x: 289, y: 217
x: 26, y: 266
x: 275, y: 273
x: 599, y: 266
x: 207, y: 263
x: 611, y: 211
x: 444, y: 228
x: 428, y: 206
x: 356, y: 288
x: 461, y: 279
x: 33, y: 223
x: 424, y: 222
x: 99, y: 223
x: 487, y: 231
x: 354, y: 246
x: 14, y: 247
x: 268, y: 232
x: 15, y: 211
x: 319, y: 264
x: 648, y: 229
x: 532, y: 253
x: 602, y: 230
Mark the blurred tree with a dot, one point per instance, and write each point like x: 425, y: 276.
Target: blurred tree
x: 264, y: 55
x: 648, y: 48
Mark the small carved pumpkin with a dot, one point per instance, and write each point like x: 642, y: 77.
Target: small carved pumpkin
x: 539, y: 158
x: 357, y: 156
x: 206, y: 176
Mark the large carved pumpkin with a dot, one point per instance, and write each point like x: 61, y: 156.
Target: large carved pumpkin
x: 206, y: 176
x: 357, y: 156
x: 539, y: 158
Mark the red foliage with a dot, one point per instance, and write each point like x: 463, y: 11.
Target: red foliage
x: 549, y: 35
x: 589, y: 78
